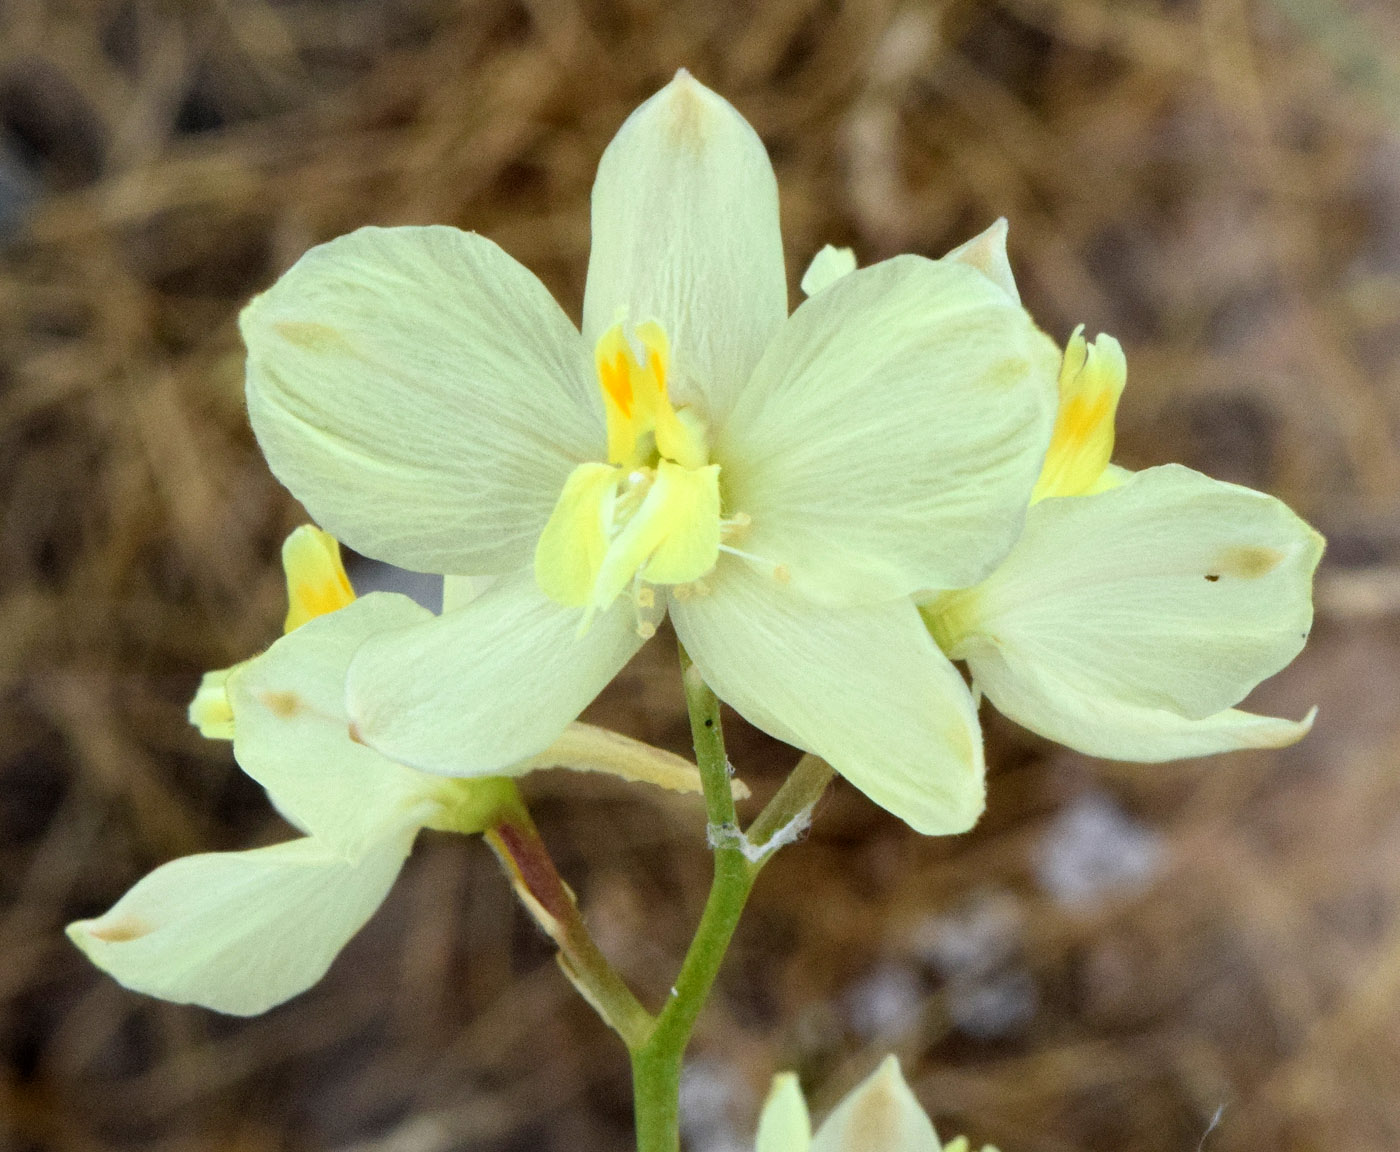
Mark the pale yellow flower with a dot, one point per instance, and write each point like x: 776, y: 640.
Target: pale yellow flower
x: 243, y: 931
x: 1136, y: 609
x: 780, y: 485
x: 880, y: 1114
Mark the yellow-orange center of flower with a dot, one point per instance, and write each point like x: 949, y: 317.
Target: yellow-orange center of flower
x: 651, y: 514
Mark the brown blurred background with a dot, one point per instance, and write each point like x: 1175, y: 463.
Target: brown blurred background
x: 1117, y: 956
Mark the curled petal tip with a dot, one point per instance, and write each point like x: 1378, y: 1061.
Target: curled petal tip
x: 987, y: 253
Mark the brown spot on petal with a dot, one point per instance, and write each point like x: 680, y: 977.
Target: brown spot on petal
x: 355, y: 735
x: 283, y: 705
x: 313, y: 337
x: 121, y: 930
x: 1248, y: 562
x: 687, y: 127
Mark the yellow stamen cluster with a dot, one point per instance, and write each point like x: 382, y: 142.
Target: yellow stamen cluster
x: 651, y: 515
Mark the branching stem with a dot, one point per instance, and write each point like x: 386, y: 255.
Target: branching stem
x: 657, y: 1043
x: 656, y: 1067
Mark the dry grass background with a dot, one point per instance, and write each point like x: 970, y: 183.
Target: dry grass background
x: 1215, y: 181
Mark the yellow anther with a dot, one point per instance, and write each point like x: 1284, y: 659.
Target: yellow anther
x: 734, y: 527
x: 1091, y: 381
x: 316, y: 580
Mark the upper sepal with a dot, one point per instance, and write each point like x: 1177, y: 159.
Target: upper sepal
x: 685, y: 233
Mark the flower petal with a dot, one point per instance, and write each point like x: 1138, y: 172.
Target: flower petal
x: 1172, y: 591
x: 240, y: 932
x: 827, y: 267
x: 1092, y: 378
x: 879, y: 1115
x: 422, y: 394
x: 1098, y: 725
x: 316, y: 578
x: 292, y: 734
x: 685, y: 232
x: 784, y: 1125
x: 586, y: 748
x: 673, y: 538
x: 482, y: 689
x: 210, y: 710
x: 574, y: 541
x: 890, y: 437
x: 987, y: 253
x: 459, y: 591
x: 862, y: 687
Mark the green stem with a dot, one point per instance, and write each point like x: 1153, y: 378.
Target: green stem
x: 658, y: 1044
x: 790, y: 810
x: 517, y: 844
x: 656, y: 1066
